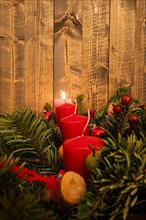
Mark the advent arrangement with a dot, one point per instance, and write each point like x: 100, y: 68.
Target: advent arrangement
x: 68, y: 164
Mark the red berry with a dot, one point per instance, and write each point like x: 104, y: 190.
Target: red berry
x: 126, y: 99
x: 133, y: 119
x: 117, y: 109
x: 47, y: 115
x: 98, y: 132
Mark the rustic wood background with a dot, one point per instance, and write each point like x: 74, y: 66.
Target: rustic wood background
x: 89, y: 47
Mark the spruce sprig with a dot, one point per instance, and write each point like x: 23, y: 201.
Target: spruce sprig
x: 17, y: 201
x: 26, y: 134
x: 118, y: 180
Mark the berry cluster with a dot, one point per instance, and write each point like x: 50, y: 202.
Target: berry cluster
x: 124, y: 106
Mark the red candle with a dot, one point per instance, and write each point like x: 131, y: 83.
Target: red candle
x: 58, y: 102
x: 63, y: 111
x: 73, y: 126
x: 76, y: 150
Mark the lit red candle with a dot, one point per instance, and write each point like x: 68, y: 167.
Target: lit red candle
x: 64, y: 111
x: 58, y: 102
x: 73, y: 126
x: 76, y: 150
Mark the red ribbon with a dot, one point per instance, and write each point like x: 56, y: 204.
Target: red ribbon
x: 32, y: 176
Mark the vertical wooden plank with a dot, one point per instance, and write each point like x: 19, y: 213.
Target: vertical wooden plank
x: 139, y: 88
x: 5, y: 56
x: 95, y: 52
x: 68, y: 47
x: 122, y: 44
x: 32, y: 12
x: 87, y: 52
x: 100, y: 80
x: 18, y: 27
x: 46, y: 77
x: 60, y: 8
x: 38, y: 53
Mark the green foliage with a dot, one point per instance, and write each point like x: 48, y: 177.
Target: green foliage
x: 17, y: 202
x: 118, y: 180
x: 8, y: 179
x: 55, y: 137
x: 118, y: 183
x: 117, y: 186
x: 79, y: 101
x: 35, y: 141
x: 21, y: 205
x: 102, y: 113
x: 47, y: 107
x: 114, y: 123
x: 27, y: 135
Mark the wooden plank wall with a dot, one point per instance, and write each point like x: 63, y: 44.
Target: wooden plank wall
x: 140, y: 52
x: 127, y: 47
x: 95, y: 52
x: 39, y: 53
x: 26, y: 54
x: 88, y: 47
x: 122, y: 44
x: 68, y: 48
x: 6, y: 53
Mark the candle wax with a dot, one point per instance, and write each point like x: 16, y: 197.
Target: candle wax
x: 73, y: 126
x: 76, y: 150
x: 64, y: 111
x: 58, y: 102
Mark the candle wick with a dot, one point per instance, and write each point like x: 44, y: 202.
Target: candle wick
x: 75, y: 111
x: 64, y: 101
x: 86, y: 123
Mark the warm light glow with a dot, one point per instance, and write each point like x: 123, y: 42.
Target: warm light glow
x: 63, y: 94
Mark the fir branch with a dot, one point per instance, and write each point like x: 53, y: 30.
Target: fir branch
x: 25, y: 134
x: 120, y: 172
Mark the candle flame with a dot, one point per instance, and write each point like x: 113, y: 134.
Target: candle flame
x: 63, y: 94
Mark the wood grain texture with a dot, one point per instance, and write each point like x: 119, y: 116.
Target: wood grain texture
x: 139, y: 88
x: 95, y: 51
x: 38, y: 53
x: 101, y: 65
x: 26, y: 52
x: 6, y: 51
x: 68, y: 48
x: 79, y: 46
x: 122, y: 45
x: 18, y: 72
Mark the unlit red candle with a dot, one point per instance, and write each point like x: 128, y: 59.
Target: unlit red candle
x: 64, y: 111
x: 76, y: 150
x: 73, y: 126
